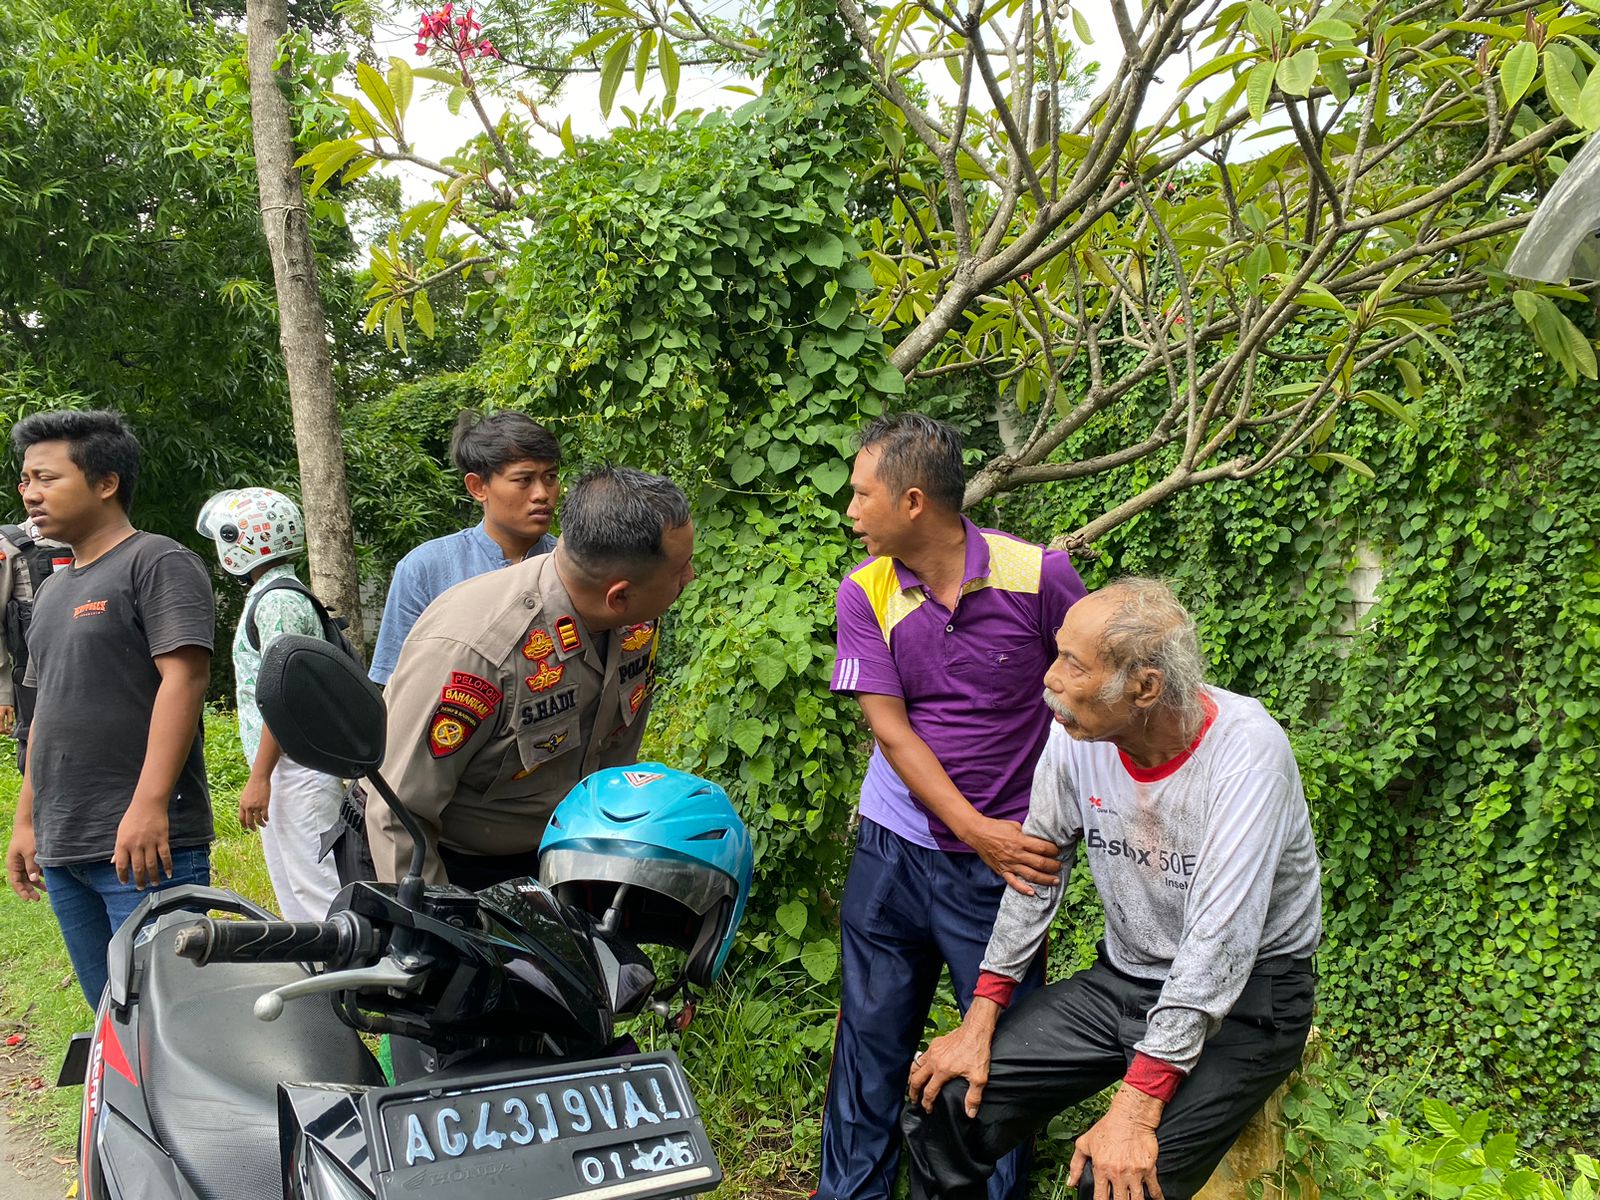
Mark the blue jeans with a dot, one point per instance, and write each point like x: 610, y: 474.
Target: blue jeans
x: 91, y: 904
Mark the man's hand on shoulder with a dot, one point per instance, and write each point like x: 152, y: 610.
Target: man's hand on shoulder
x: 961, y: 1054
x: 1122, y: 1148
x: 142, y: 850
x: 1019, y: 858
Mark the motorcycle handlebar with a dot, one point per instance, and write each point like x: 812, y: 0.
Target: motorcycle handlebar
x: 339, y: 942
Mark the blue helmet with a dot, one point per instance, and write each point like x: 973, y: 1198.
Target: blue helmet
x: 664, y: 849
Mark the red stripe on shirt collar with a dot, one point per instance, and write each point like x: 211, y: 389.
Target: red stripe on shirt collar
x: 1157, y: 773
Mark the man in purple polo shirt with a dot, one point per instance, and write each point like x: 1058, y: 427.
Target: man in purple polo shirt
x: 944, y: 634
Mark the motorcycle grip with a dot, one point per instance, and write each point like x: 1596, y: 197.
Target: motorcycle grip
x: 335, y: 942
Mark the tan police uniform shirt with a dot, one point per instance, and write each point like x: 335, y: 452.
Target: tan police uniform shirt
x: 502, y: 700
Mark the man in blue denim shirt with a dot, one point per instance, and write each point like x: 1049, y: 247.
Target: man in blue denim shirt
x: 510, y: 463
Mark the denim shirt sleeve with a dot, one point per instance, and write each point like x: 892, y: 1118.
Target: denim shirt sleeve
x: 408, y: 596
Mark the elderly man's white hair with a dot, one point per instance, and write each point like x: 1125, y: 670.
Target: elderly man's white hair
x: 1151, y: 629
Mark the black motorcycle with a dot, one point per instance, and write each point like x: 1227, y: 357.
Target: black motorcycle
x: 249, y: 1080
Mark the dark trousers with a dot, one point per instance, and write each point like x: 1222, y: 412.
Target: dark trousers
x: 907, y: 913
x: 1065, y: 1042
x: 478, y: 871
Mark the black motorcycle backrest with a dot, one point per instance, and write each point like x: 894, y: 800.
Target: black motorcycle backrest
x: 326, y: 714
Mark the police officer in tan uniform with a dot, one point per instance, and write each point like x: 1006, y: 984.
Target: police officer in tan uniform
x: 515, y: 685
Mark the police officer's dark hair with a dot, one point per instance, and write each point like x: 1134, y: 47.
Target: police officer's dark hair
x: 98, y: 442
x: 918, y: 452
x: 612, y: 520
x: 482, y: 445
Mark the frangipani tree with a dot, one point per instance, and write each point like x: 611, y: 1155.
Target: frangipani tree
x: 1239, y: 220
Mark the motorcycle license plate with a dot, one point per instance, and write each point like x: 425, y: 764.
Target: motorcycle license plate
x: 623, y: 1128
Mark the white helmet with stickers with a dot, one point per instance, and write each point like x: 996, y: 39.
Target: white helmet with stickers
x: 252, y: 527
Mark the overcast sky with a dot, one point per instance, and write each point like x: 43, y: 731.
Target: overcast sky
x: 434, y: 132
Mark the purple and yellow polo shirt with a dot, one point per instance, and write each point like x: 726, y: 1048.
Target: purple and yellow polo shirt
x: 972, y: 680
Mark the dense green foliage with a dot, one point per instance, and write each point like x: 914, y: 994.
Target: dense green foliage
x: 128, y: 257
x: 1447, y: 740
x: 689, y: 305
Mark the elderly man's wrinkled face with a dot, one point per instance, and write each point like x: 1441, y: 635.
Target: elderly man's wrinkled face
x: 1076, y: 685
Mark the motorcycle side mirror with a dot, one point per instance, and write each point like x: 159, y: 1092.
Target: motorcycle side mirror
x: 328, y: 716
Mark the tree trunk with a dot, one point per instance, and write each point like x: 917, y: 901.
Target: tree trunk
x: 302, y: 325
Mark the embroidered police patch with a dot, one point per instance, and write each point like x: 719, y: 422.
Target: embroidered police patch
x: 538, y: 645
x: 567, y: 634
x: 446, y: 735
x: 464, y: 703
x: 637, y: 637
x: 637, y: 697
x: 552, y: 743
x: 546, y: 677
x: 471, y: 692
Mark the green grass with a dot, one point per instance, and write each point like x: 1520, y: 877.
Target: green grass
x: 39, y: 995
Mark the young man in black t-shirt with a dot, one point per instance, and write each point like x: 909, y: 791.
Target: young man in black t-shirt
x: 114, y: 799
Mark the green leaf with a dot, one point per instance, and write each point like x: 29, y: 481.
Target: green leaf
x: 1335, y: 76
x: 1258, y: 87
x: 1257, y: 265
x: 1439, y: 1115
x: 886, y: 378
x: 1578, y: 346
x: 1500, y: 1151
x: 1263, y: 21
x: 1560, y: 84
x: 568, y: 142
x: 668, y: 58
x: 590, y: 44
x: 422, y: 313
x: 339, y: 153
x: 1588, y: 114
x: 1409, y: 376
x: 1517, y: 70
x: 376, y: 89
x: 612, y: 69
x: 1354, y: 465
x: 1297, y: 72
x: 1080, y: 24
x: 769, y: 671
x: 793, y: 917
x: 1332, y: 30
x: 641, y: 59
x: 400, y: 84
x: 826, y: 252
x: 743, y: 468
x: 830, y: 477
x: 1389, y: 406
x: 821, y: 960
x: 782, y: 457
x: 748, y: 734
x: 1217, y: 66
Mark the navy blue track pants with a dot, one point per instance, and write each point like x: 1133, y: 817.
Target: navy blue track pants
x: 908, y: 913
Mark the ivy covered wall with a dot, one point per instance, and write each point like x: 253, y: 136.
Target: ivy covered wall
x: 1448, y: 745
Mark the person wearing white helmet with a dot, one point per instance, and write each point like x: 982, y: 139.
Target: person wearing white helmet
x: 257, y: 532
